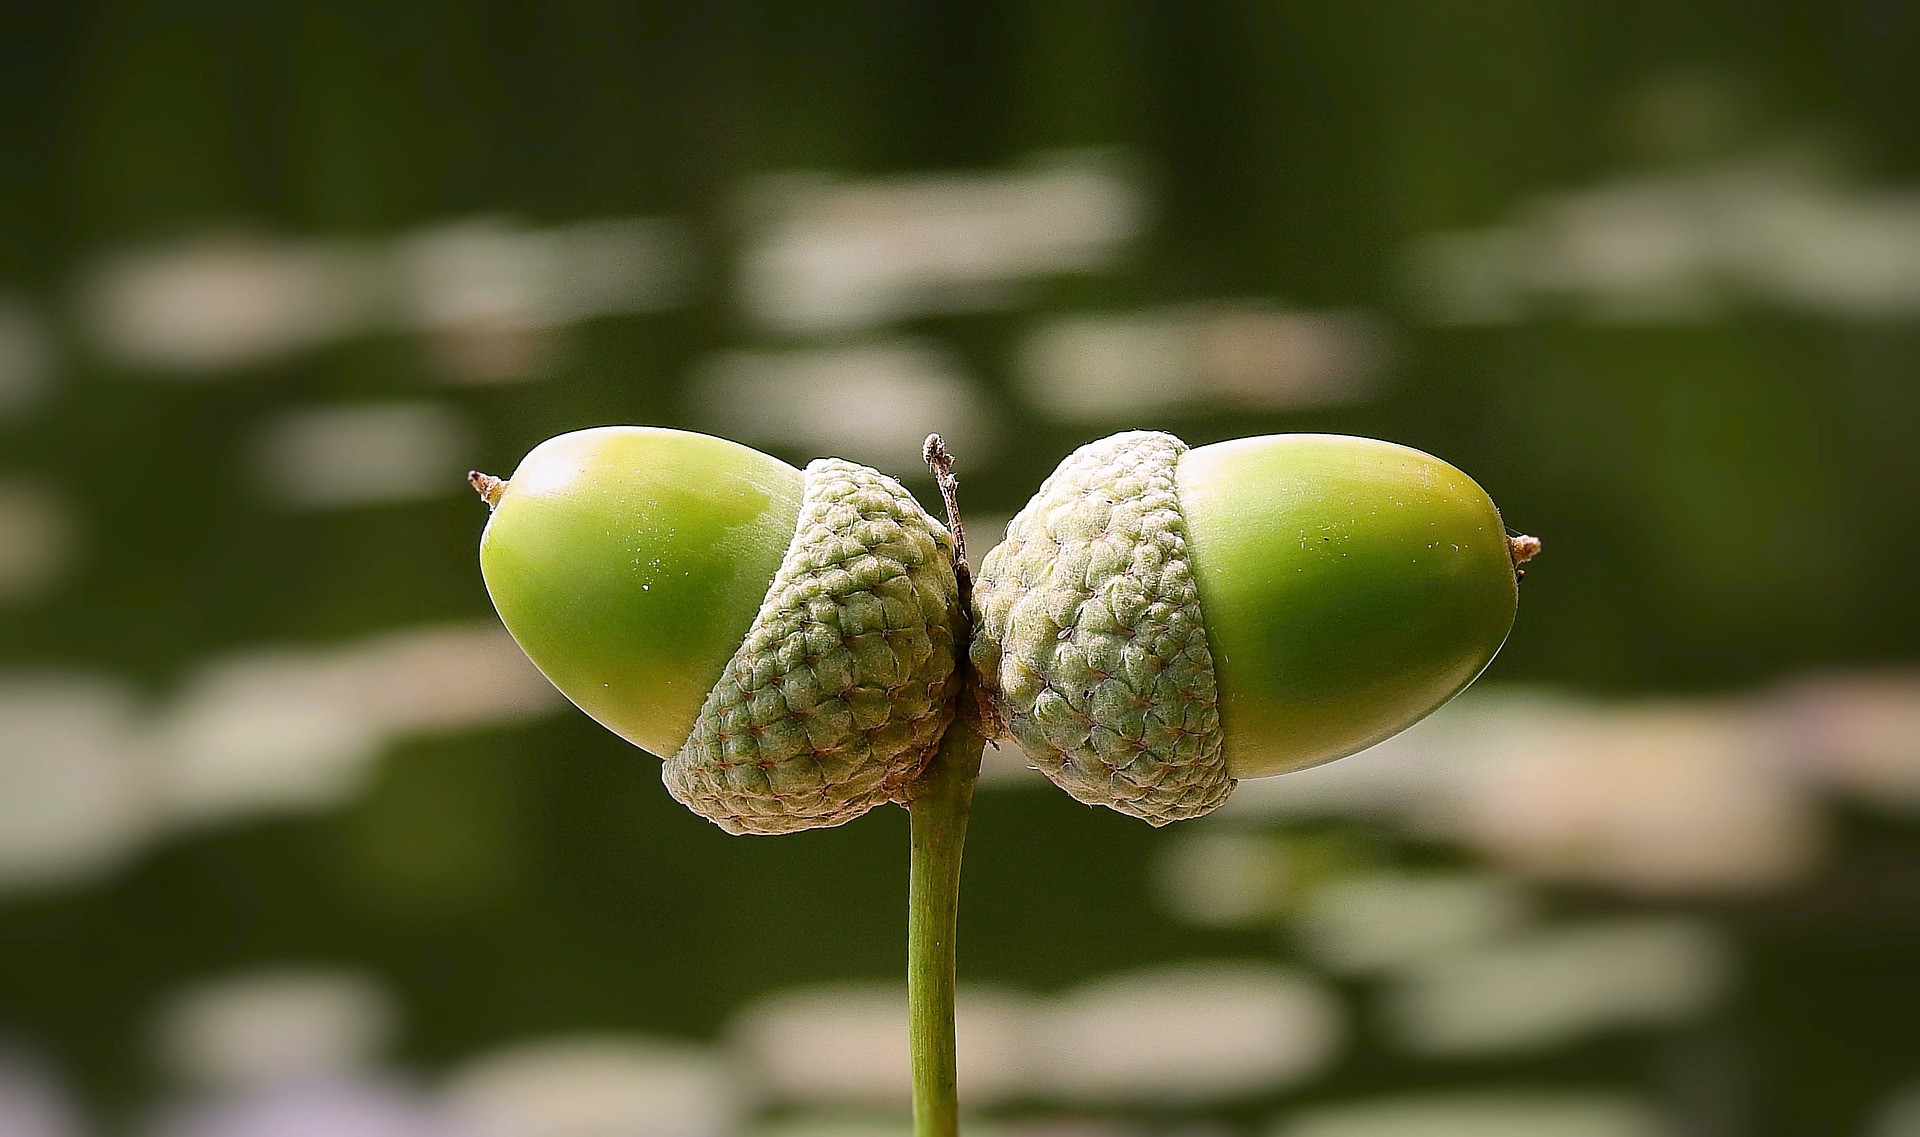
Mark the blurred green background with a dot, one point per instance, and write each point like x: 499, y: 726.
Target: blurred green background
x: 293, y: 843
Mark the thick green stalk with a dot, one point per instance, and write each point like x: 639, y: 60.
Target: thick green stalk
x: 939, y: 812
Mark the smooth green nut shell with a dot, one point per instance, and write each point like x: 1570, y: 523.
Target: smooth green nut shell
x: 1342, y: 589
x: 785, y: 638
x: 629, y: 562
x: 1351, y: 586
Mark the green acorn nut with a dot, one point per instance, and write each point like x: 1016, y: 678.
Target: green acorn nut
x: 784, y: 638
x: 1161, y: 621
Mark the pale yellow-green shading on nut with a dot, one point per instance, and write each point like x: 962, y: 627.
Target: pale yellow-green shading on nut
x: 1089, y: 630
x: 844, y: 684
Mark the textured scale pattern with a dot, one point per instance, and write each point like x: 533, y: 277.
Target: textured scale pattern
x: 1089, y: 629
x: 841, y: 691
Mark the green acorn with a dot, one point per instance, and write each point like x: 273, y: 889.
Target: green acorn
x: 1161, y: 621
x: 784, y: 638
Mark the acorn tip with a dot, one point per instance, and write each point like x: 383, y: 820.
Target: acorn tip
x: 487, y: 486
x: 1522, y: 549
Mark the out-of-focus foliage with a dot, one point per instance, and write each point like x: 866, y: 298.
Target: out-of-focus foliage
x: 292, y: 839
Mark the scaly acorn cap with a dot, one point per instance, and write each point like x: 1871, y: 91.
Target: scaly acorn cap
x: 1089, y: 632
x: 1161, y: 621
x: 841, y: 690
x: 786, y: 637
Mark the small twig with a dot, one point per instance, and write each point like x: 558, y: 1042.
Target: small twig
x: 979, y: 702
x: 941, y: 463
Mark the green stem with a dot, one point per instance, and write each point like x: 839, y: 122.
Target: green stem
x: 939, y: 812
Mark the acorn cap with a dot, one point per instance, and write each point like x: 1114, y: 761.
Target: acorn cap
x: 843, y: 686
x: 1089, y: 630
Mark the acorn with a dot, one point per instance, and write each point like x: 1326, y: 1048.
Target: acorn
x: 785, y: 639
x: 1161, y: 621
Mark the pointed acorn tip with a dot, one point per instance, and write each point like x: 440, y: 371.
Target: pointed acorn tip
x: 487, y: 486
x: 1523, y: 549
